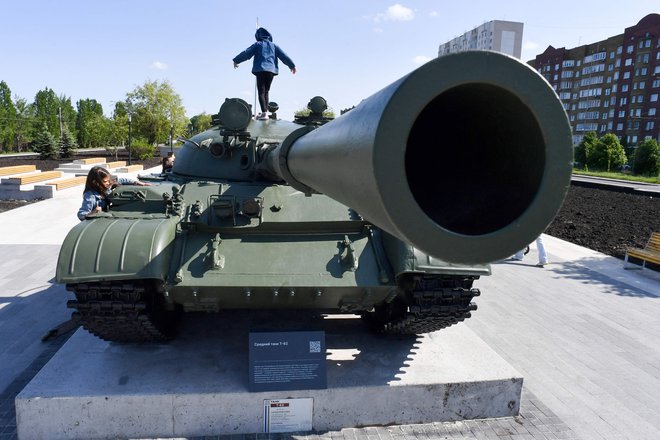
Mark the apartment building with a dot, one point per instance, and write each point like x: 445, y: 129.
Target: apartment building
x: 610, y: 86
x: 498, y: 35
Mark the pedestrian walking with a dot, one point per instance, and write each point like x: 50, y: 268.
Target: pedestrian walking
x: 540, y: 246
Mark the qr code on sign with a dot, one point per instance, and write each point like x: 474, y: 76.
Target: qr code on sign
x: 314, y: 346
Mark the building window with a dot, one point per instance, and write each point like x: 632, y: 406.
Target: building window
x: 654, y: 97
x: 620, y: 49
x: 626, y: 75
x: 650, y: 125
x: 623, y: 101
x: 619, y: 127
x: 628, y: 62
x: 630, y: 48
x: 656, y: 82
x: 652, y: 111
x: 622, y: 114
x: 647, y: 43
x: 624, y: 88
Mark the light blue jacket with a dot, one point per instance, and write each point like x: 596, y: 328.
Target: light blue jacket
x: 265, y: 53
x: 91, y: 200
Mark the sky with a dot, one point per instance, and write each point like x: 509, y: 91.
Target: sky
x: 344, y: 50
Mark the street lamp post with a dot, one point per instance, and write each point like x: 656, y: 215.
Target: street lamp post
x: 129, y: 140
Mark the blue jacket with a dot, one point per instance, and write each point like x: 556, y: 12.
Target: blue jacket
x: 265, y: 53
x: 91, y: 200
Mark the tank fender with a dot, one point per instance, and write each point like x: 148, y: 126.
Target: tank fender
x: 108, y: 248
x: 405, y: 258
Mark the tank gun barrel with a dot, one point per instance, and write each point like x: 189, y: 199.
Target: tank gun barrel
x: 467, y: 158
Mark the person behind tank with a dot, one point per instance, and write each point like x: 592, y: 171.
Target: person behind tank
x: 98, y: 186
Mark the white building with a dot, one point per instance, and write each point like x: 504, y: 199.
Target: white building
x: 498, y: 35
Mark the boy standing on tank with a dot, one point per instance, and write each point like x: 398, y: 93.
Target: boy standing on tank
x: 264, y: 66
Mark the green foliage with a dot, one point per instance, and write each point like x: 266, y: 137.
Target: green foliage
x: 67, y: 143
x: 69, y: 114
x: 200, y: 123
x: 582, y: 153
x: 89, y: 121
x: 618, y: 175
x: 647, y: 158
x: 44, y: 143
x: 608, y: 153
x: 328, y: 113
x: 142, y: 149
x: 47, y: 112
x: 8, y: 117
x: 24, y: 121
x: 156, y: 110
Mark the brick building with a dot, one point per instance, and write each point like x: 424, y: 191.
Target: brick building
x: 610, y: 86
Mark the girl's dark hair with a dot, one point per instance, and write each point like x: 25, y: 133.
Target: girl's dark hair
x: 95, y: 178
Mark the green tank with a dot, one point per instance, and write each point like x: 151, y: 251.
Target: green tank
x: 391, y: 210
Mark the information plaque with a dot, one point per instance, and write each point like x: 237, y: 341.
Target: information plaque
x: 282, y: 361
x: 288, y: 415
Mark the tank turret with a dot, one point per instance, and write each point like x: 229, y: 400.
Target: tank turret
x: 391, y: 210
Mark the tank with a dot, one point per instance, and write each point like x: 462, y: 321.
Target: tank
x: 392, y: 211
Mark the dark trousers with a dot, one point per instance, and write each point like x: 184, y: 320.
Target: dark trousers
x: 264, y: 79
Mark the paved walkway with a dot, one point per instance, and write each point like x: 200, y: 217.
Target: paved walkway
x: 582, y: 331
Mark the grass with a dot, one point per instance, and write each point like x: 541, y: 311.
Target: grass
x: 617, y: 175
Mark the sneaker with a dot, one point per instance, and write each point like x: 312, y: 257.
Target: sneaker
x: 263, y: 117
x: 541, y: 264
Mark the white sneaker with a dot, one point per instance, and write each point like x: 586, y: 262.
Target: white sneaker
x: 263, y: 117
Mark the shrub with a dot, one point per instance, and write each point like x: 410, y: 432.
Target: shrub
x: 142, y: 149
x: 647, y: 158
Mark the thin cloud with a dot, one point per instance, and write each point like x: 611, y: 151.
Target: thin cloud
x: 433, y: 14
x: 421, y: 59
x: 395, y: 12
x: 530, y: 45
x: 158, y: 65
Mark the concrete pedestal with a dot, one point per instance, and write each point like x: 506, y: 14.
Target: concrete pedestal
x: 198, y: 384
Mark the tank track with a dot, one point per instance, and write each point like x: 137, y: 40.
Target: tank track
x: 434, y: 303
x: 122, y: 312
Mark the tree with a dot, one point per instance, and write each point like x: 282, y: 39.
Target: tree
x: 67, y: 143
x: 200, y: 123
x: 7, y: 118
x: 156, y: 111
x: 582, y: 153
x: 87, y: 122
x: 608, y: 153
x: 69, y: 114
x: 47, y: 111
x: 647, y: 158
x: 24, y: 123
x: 44, y: 143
